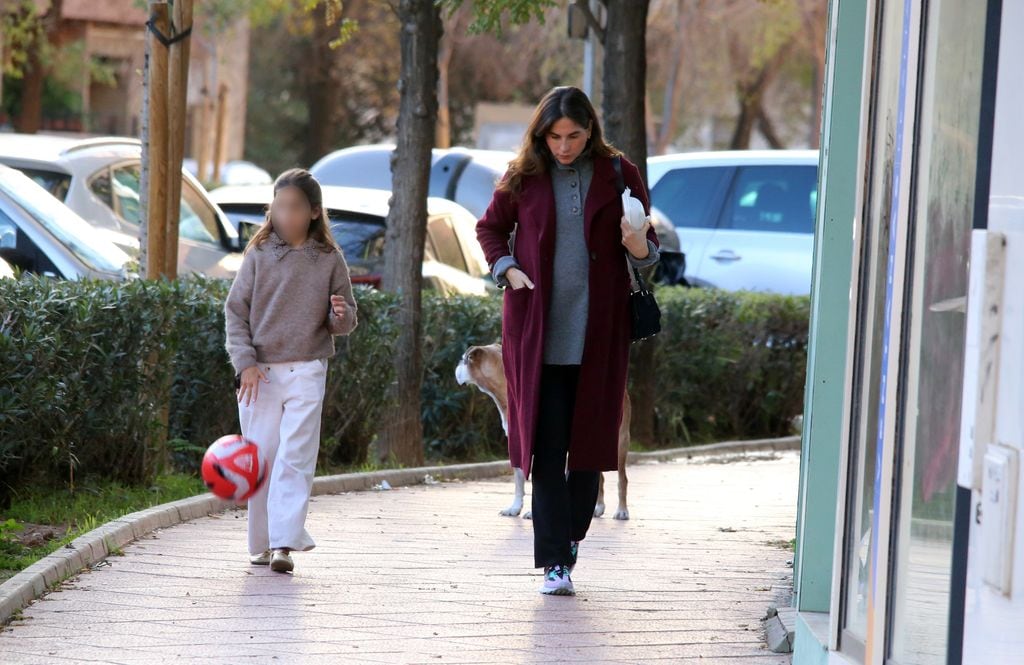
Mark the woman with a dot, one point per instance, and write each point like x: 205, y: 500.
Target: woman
x: 566, y: 319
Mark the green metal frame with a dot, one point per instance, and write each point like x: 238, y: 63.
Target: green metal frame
x: 826, y: 391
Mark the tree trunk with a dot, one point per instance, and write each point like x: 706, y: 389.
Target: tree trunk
x: 30, y: 119
x: 323, y: 94
x: 402, y: 435
x: 623, y: 102
x: 750, y: 91
x: 673, y: 87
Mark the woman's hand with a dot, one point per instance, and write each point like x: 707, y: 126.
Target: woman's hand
x: 339, y: 306
x: 250, y: 382
x: 635, y: 240
x: 517, y: 279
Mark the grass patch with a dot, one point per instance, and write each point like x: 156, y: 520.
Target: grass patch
x: 49, y: 518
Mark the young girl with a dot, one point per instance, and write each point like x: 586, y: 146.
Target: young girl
x: 291, y: 295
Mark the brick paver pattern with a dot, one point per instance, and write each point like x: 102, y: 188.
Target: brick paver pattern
x: 432, y: 574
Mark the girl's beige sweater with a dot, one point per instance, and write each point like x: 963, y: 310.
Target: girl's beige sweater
x: 279, y: 306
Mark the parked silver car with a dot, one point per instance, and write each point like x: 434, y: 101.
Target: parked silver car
x: 745, y: 219
x: 453, y: 261
x: 100, y: 179
x: 41, y: 235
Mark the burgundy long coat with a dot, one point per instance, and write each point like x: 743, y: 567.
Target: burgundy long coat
x: 602, y: 380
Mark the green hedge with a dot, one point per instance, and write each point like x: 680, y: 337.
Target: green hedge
x: 86, y: 366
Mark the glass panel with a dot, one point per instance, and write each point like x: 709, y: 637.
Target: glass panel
x: 126, y: 186
x: 776, y: 199
x: 688, y: 196
x: 62, y: 223
x: 445, y: 242
x: 943, y: 207
x: 52, y: 181
x: 198, y: 220
x: 870, y: 314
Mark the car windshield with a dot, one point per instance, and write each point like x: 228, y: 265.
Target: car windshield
x: 60, y: 221
x: 361, y: 238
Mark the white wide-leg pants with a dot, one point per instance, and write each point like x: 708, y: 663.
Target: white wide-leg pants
x: 284, y: 422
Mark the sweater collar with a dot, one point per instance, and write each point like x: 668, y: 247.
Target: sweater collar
x: 311, y: 248
x: 578, y: 163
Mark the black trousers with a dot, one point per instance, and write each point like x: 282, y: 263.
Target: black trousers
x: 563, y: 504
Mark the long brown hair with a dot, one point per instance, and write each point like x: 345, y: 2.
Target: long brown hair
x: 534, y: 155
x: 318, y: 228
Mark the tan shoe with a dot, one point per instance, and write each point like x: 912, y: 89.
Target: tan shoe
x: 261, y: 559
x: 281, y: 562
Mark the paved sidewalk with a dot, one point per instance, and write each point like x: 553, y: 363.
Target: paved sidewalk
x: 432, y: 574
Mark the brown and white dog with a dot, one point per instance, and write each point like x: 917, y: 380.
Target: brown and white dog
x: 483, y: 367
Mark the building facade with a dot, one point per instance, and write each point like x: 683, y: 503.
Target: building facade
x: 910, y: 544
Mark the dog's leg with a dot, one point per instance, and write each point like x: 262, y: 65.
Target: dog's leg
x: 623, y: 512
x: 599, y: 507
x: 517, y: 500
x: 627, y: 415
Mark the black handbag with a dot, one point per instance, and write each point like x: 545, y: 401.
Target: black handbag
x: 646, y: 315
x: 643, y: 308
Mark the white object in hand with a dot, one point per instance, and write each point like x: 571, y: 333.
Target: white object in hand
x: 633, y: 210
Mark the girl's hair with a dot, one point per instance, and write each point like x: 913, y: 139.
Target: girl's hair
x: 534, y: 155
x: 318, y: 228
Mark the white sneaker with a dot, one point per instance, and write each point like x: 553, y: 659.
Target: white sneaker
x: 261, y: 559
x: 557, y: 582
x: 281, y: 562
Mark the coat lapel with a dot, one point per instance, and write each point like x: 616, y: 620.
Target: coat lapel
x: 601, y: 193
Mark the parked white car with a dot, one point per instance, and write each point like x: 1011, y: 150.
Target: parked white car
x: 453, y: 261
x: 745, y: 219
x: 462, y: 175
x: 41, y: 235
x: 100, y: 180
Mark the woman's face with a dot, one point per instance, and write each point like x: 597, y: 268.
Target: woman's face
x: 291, y: 213
x: 567, y: 140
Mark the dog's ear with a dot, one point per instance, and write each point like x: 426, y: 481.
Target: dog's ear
x: 471, y: 354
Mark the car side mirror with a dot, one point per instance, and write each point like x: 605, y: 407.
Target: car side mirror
x: 246, y: 230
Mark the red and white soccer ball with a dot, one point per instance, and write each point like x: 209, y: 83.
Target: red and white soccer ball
x: 233, y: 468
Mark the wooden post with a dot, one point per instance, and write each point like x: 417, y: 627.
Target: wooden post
x: 154, y: 146
x: 219, y: 139
x: 178, y: 88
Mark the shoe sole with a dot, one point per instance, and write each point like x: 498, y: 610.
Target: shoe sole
x: 558, y: 592
x: 260, y: 563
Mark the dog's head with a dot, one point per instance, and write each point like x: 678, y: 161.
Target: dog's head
x: 482, y: 366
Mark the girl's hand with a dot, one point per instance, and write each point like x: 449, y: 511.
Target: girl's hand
x: 517, y: 279
x: 339, y: 306
x: 251, y: 378
x: 635, y: 240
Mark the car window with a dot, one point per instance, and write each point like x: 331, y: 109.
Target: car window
x: 63, y: 224
x: 776, y: 198
x: 464, y: 225
x: 445, y: 242
x: 52, y: 181
x: 198, y: 219
x: 120, y: 191
x: 125, y: 185
x: 8, y: 232
x: 360, y: 239
x: 688, y: 196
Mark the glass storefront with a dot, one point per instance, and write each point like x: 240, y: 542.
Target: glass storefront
x: 942, y: 205
x: 910, y: 571
x: 870, y: 310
